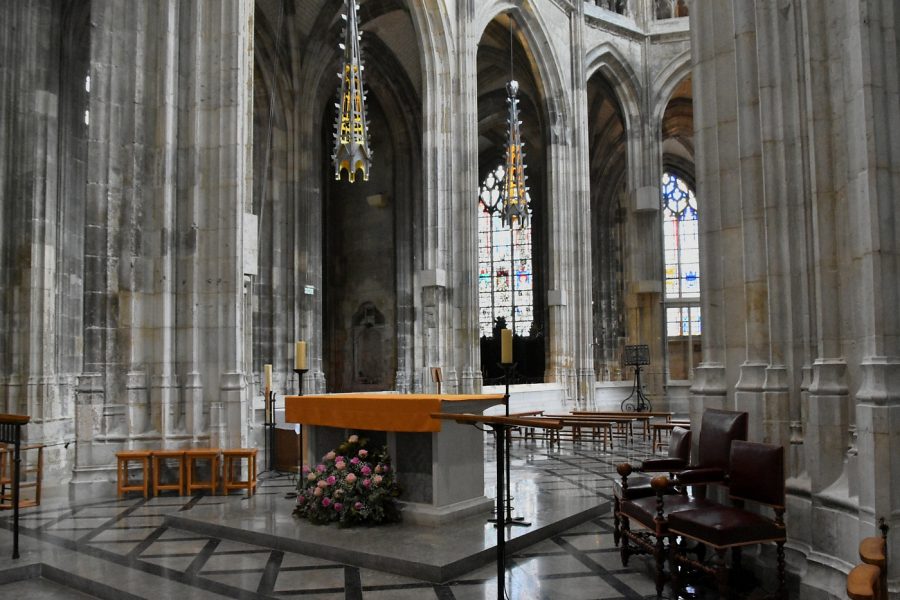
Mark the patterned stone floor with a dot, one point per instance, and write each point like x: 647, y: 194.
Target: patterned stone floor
x: 111, y: 548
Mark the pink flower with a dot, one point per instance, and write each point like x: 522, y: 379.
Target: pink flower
x: 363, y: 453
x: 305, y: 469
x: 385, y: 468
x: 338, y: 506
x: 377, y: 480
x: 311, y: 477
x: 353, y: 439
x: 320, y: 468
x: 326, y: 502
x: 329, y: 456
x: 331, y: 480
x: 322, y: 484
x: 301, y: 499
x: 317, y: 492
x: 351, y: 478
x: 378, y: 469
x: 366, y: 470
x: 342, y: 459
x: 358, y: 506
x: 340, y: 466
x: 367, y: 482
x: 354, y: 461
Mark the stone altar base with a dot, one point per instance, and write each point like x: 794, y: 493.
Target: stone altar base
x: 436, y: 553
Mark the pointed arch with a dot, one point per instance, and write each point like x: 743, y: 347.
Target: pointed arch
x: 607, y: 59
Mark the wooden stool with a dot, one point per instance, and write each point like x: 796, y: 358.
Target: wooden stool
x: 126, y: 456
x: 159, y: 458
x: 235, y: 455
x: 191, y: 457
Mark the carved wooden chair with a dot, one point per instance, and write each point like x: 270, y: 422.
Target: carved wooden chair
x: 718, y: 429
x: 638, y: 486
x: 756, y: 475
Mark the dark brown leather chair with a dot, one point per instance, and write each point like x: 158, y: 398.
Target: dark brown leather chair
x: 718, y: 429
x: 634, y: 487
x: 756, y: 475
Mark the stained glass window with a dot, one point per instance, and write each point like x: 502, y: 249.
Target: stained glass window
x: 505, y: 272
x: 682, y: 248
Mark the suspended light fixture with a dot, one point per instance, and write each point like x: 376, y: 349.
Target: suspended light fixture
x: 351, y: 130
x: 514, y: 193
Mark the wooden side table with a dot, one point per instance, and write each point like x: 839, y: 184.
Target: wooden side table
x: 232, y: 458
x: 122, y: 483
x: 202, y: 454
x: 159, y: 459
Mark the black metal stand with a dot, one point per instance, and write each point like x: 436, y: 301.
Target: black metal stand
x: 300, y: 373
x: 641, y: 404
x: 501, y: 433
x: 11, y: 433
x: 270, y: 431
x: 505, y: 458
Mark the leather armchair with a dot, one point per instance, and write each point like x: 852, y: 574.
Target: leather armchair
x: 756, y: 475
x: 718, y: 429
x: 638, y: 486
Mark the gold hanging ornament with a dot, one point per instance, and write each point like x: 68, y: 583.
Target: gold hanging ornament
x: 351, y: 131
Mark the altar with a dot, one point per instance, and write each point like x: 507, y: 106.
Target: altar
x: 439, y: 464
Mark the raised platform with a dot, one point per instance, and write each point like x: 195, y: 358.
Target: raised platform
x: 433, y: 553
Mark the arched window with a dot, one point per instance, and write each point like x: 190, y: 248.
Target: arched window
x: 502, y: 251
x: 682, y: 275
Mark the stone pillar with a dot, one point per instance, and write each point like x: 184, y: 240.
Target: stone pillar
x: 582, y: 286
x: 452, y: 236
x: 709, y: 388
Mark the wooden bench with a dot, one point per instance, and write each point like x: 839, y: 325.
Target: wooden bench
x: 232, y: 458
x: 192, y: 456
x: 644, y: 417
x: 158, y: 460
x: 868, y: 581
x: 31, y: 476
x: 576, y: 424
x: 123, y: 485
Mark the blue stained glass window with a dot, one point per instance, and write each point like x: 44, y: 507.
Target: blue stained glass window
x: 504, y: 264
x: 681, y: 255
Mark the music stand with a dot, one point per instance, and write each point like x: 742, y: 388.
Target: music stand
x: 637, y: 356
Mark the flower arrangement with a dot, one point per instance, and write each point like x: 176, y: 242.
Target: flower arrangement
x: 350, y: 486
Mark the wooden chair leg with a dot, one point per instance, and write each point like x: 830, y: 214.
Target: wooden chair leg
x: 660, y: 557
x: 617, y: 532
x: 624, y: 551
x: 722, y: 572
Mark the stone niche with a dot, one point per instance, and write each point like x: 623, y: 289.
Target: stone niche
x: 370, y: 348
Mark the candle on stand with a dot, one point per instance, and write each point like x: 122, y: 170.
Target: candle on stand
x: 267, y: 378
x: 300, y: 356
x: 506, y: 347
x: 267, y: 370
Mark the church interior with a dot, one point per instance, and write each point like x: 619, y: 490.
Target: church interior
x: 227, y: 218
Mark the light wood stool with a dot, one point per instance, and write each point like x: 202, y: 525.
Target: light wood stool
x: 191, y: 458
x: 127, y: 456
x: 159, y: 458
x: 232, y: 458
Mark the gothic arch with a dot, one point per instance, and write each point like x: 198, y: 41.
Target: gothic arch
x: 607, y: 60
x: 666, y: 82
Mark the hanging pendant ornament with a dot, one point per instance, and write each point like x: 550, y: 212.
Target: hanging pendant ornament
x: 514, y: 210
x: 351, y: 131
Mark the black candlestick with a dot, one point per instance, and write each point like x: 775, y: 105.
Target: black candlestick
x: 300, y: 373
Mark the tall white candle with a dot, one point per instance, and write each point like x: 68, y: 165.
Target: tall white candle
x: 267, y: 370
x: 506, y: 347
x: 300, y: 356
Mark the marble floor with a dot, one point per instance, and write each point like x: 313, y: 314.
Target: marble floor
x: 123, y: 549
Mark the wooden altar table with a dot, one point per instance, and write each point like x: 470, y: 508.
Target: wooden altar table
x: 439, y: 464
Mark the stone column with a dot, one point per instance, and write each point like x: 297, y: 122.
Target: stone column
x: 752, y: 199
x: 582, y: 287
x: 709, y: 386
